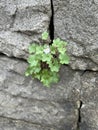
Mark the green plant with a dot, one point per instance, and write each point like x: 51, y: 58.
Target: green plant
x: 45, y: 60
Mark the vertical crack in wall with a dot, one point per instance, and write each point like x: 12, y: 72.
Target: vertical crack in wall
x: 13, y: 18
x: 79, y: 115
x: 51, y: 26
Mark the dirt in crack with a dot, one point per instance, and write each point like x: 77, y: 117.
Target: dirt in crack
x: 79, y: 115
x: 51, y: 26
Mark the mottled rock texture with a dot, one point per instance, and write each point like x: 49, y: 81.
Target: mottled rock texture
x: 89, y: 96
x: 76, y: 22
x: 72, y: 104
x: 21, y: 23
x: 27, y: 100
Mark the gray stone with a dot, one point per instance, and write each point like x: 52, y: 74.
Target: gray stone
x: 89, y: 116
x: 6, y: 15
x: 25, y: 99
x: 12, y: 124
x: 37, y: 112
x: 21, y: 23
x: 89, y: 90
x: 89, y: 97
x: 14, y: 44
x: 77, y: 22
x: 25, y: 104
x: 12, y: 75
x: 32, y: 16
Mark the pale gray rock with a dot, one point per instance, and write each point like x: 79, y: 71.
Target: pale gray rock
x: 12, y: 75
x: 14, y: 44
x: 25, y: 99
x: 89, y: 98
x: 77, y: 22
x: 22, y: 22
x: 12, y: 124
x: 6, y: 15
x: 89, y: 116
x: 32, y: 16
x: 25, y: 104
x: 89, y: 90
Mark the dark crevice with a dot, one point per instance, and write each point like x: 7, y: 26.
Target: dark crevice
x: 83, y: 72
x: 13, y: 17
x: 51, y: 26
x: 87, y: 70
x: 25, y: 32
x: 23, y: 121
x: 79, y: 115
x: 12, y: 57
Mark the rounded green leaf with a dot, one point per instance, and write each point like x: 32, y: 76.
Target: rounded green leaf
x: 32, y: 48
x: 45, y: 35
x: 64, y: 59
x: 47, y: 58
x: 39, y: 50
x: 54, y: 66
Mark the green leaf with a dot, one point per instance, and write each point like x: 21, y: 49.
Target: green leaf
x: 45, y: 61
x: 32, y: 48
x: 34, y: 63
x: 29, y: 71
x: 55, y: 77
x: 33, y: 60
x: 56, y: 42
x: 37, y: 76
x: 63, y: 43
x: 54, y: 66
x: 39, y: 50
x: 64, y: 59
x: 46, y: 77
x: 37, y: 69
x: 53, y: 50
x: 62, y: 50
x: 59, y: 43
x: 49, y: 77
x: 46, y: 58
x: 45, y: 35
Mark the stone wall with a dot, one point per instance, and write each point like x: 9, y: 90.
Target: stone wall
x: 25, y: 104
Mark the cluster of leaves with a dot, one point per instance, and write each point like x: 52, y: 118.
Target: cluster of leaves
x: 45, y: 61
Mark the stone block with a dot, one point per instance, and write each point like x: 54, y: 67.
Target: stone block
x: 76, y: 22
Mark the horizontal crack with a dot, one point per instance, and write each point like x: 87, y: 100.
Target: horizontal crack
x: 85, y: 71
x: 24, y: 121
x: 12, y: 57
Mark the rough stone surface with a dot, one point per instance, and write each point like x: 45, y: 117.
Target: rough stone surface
x: 77, y: 22
x: 24, y: 99
x: 14, y: 44
x: 72, y: 104
x: 21, y: 23
x: 89, y: 114
x: 26, y: 87
x: 89, y: 97
x: 11, y: 124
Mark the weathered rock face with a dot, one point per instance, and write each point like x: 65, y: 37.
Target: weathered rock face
x: 25, y: 104
x: 77, y: 22
x: 89, y: 96
x: 27, y: 100
x: 21, y: 23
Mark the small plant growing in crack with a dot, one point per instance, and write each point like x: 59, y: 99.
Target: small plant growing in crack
x: 45, y: 60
